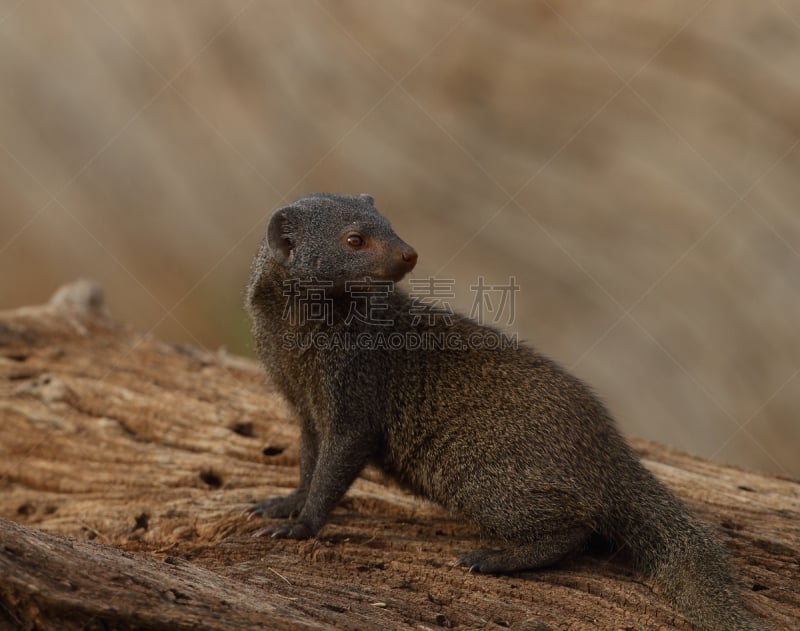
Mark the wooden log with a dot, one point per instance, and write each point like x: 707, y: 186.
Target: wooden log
x: 125, y: 464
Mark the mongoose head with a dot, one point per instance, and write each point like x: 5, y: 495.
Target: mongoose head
x: 337, y: 238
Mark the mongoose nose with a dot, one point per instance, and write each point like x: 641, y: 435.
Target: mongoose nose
x: 410, y: 257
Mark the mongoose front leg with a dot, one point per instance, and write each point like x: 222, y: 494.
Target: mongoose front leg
x: 548, y: 549
x: 341, y: 458
x: 290, y: 505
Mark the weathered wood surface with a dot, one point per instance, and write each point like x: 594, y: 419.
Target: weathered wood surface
x: 125, y: 464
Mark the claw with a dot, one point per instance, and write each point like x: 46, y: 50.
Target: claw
x: 281, y: 532
x: 252, y: 512
x: 467, y: 560
x: 263, y: 532
x: 287, y: 531
x: 473, y: 567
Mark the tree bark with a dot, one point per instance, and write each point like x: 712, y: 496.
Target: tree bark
x: 125, y: 464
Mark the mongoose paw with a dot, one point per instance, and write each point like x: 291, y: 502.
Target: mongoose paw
x: 297, y: 530
x: 282, y: 507
x: 485, y: 561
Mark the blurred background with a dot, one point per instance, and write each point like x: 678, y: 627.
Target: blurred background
x: 634, y: 165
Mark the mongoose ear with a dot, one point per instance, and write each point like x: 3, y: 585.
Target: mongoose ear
x: 279, y: 236
x: 367, y: 198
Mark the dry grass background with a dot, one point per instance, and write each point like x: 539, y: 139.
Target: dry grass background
x: 634, y: 166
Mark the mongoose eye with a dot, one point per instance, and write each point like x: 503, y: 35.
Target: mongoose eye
x: 355, y: 241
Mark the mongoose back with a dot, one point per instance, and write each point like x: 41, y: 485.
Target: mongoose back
x: 494, y: 432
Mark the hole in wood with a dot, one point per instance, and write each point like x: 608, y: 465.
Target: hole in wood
x: 142, y: 522
x: 243, y: 429
x: 211, y: 479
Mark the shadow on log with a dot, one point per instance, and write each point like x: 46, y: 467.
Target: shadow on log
x: 125, y: 464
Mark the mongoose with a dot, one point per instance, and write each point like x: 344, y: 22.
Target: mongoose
x: 495, y: 432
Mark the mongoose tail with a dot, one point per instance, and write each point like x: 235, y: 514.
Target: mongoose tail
x: 679, y: 554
